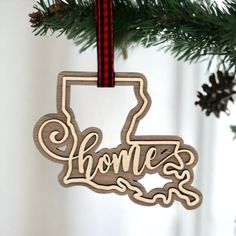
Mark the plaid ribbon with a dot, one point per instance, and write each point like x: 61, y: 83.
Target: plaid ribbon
x: 105, y: 43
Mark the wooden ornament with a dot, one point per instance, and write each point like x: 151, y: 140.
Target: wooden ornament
x: 118, y: 169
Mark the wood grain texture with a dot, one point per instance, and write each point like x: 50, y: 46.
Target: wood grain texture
x: 119, y: 169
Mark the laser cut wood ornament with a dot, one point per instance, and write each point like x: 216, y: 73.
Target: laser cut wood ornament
x: 119, y: 169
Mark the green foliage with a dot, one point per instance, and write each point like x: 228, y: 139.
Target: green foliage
x: 190, y: 30
x: 233, y: 129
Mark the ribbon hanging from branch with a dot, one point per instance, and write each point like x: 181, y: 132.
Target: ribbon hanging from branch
x: 105, y: 43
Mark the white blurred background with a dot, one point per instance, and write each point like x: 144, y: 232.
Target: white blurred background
x: 33, y: 203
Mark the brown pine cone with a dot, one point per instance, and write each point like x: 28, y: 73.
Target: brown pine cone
x: 217, y: 96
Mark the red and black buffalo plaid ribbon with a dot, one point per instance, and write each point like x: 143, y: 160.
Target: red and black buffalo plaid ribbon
x: 105, y: 43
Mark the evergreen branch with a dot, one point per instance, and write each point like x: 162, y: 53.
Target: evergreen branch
x: 233, y: 129
x: 190, y: 30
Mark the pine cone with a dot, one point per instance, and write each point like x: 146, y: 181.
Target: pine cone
x: 37, y: 17
x: 217, y: 96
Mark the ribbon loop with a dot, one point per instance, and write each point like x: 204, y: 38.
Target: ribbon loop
x: 105, y: 43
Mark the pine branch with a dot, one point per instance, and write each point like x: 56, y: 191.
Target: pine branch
x: 191, y: 30
x: 233, y: 129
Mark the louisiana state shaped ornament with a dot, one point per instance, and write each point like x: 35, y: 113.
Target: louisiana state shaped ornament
x: 120, y: 169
